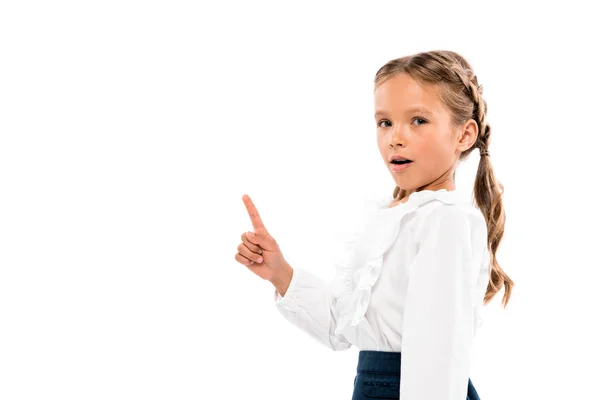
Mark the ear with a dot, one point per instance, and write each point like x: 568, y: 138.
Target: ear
x: 467, y: 135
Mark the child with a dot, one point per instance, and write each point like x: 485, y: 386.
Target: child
x: 410, y: 287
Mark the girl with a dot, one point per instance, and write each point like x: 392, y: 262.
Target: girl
x: 410, y: 286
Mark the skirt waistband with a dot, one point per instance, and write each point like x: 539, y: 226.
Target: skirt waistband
x: 379, y: 362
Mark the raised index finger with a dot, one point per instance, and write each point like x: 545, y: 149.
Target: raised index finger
x: 257, y: 223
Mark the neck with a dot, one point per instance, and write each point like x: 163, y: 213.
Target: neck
x: 448, y: 185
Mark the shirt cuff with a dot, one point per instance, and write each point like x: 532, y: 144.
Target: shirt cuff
x: 291, y: 290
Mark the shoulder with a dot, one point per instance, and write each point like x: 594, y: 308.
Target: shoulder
x: 460, y: 218
x: 455, y: 212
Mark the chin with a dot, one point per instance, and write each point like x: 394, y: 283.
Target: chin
x: 403, y: 185
x: 409, y: 186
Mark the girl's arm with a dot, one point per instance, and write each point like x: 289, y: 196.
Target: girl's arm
x: 308, y: 303
x: 309, y: 300
x: 440, y: 302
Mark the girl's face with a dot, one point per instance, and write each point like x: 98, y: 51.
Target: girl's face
x: 412, y: 122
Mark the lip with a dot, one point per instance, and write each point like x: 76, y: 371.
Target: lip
x: 400, y: 167
x: 397, y: 157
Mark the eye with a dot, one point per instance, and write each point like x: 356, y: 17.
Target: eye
x: 383, y: 120
x: 420, y: 119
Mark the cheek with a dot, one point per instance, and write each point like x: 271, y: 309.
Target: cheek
x: 436, y: 157
x: 383, y: 146
x: 433, y: 152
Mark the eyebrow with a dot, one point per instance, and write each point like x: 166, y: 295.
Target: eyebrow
x: 417, y: 109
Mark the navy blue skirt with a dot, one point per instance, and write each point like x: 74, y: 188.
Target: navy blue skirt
x: 378, y: 376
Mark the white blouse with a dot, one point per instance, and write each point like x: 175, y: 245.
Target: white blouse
x: 410, y: 279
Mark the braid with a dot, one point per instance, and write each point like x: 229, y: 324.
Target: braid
x: 487, y: 190
x: 475, y: 92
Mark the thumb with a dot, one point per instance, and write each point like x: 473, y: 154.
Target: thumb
x: 262, y: 239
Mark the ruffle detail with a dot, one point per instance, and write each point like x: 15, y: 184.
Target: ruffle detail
x: 345, y: 255
x: 359, y: 267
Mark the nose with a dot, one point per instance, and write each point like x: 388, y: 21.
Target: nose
x: 398, y: 136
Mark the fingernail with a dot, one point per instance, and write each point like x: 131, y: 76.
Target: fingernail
x: 259, y: 251
x: 259, y: 259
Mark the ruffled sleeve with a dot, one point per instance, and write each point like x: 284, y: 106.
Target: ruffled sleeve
x: 441, y: 302
x: 310, y: 302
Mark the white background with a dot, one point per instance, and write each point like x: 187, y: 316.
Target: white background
x: 131, y: 130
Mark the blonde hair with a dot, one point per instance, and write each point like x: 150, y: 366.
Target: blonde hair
x: 460, y: 92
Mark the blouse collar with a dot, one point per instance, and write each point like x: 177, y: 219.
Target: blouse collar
x: 416, y: 199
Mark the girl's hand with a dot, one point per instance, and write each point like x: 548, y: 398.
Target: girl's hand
x: 259, y: 244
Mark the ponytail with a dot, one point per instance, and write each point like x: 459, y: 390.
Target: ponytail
x: 488, y: 195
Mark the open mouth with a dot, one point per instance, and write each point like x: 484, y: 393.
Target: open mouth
x: 401, y: 161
